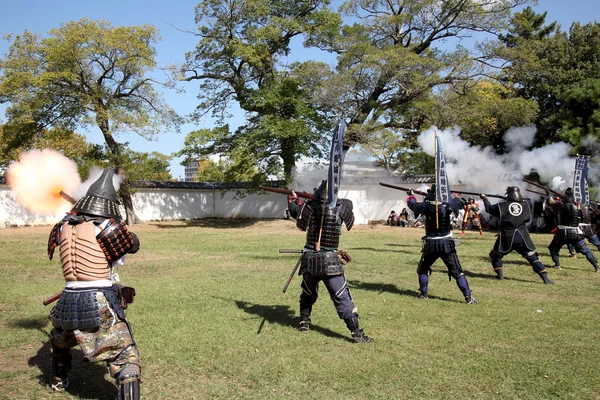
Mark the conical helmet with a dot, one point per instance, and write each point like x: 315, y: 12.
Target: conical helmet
x: 101, y: 198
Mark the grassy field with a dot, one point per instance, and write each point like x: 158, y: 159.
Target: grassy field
x: 211, y: 320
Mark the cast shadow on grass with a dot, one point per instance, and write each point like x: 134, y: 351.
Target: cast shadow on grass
x: 389, y: 288
x: 282, y: 315
x: 215, y: 223
x: 86, y: 379
x: 491, y: 275
x: 404, y: 245
x: 375, y: 250
x: 505, y: 261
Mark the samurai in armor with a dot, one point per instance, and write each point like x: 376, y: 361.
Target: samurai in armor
x: 472, y: 217
x: 321, y: 259
x: 568, y: 230
x: 513, y: 215
x: 438, y: 241
x: 586, y: 227
x: 92, y: 241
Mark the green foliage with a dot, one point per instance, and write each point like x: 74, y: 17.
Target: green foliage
x: 72, y: 145
x: 559, y: 72
x: 86, y: 73
x: 485, y: 111
x: 527, y: 25
x: 147, y: 166
x: 580, y: 111
x: 240, y: 58
x: 389, y: 58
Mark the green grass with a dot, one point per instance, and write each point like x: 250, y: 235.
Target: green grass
x: 211, y: 320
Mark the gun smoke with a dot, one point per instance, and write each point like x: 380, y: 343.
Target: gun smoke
x: 483, y: 169
x: 38, y: 177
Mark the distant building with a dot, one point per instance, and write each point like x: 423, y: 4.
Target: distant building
x: 191, y: 170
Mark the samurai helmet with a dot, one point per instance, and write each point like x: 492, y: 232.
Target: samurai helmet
x: 513, y: 193
x: 569, y: 195
x: 101, y: 198
x: 321, y: 192
x: 430, y: 193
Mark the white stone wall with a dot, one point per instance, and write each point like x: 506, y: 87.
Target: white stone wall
x: 370, y: 203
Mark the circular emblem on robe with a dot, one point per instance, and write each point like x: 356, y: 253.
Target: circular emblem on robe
x: 515, y: 209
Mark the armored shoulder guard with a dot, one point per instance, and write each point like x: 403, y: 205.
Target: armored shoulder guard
x: 305, y: 216
x: 346, y: 214
x: 53, y: 239
x: 115, y: 240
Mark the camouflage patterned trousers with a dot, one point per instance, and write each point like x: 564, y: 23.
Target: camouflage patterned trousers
x: 111, y: 342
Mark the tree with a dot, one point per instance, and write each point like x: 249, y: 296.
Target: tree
x: 527, y: 25
x: 147, y: 166
x: 86, y: 73
x: 580, y: 112
x: 393, y: 55
x: 389, y: 56
x: 240, y: 59
x: 72, y: 145
x: 484, y: 111
x: 558, y: 72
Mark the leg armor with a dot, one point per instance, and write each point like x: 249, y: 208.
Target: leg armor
x: 496, y: 258
x: 554, y: 247
x: 535, y: 262
x: 129, y: 390
x: 340, y: 295
x: 358, y: 335
x: 61, y: 342
x: 583, y: 249
x: 594, y: 240
x: 61, y: 366
x: 309, y: 295
x: 423, y: 286
x: 126, y: 369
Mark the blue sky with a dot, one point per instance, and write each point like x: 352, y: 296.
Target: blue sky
x: 168, y: 16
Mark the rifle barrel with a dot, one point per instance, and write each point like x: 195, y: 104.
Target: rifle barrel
x: 287, y: 192
x: 477, y: 194
x: 67, y: 197
x: 546, y: 189
x: 406, y: 189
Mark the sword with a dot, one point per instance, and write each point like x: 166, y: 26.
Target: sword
x: 287, y: 284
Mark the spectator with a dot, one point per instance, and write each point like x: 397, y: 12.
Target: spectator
x: 403, y: 221
x: 393, y: 219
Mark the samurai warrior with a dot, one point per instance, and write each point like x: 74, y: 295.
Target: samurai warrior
x: 586, y: 227
x: 568, y: 230
x: 513, y: 215
x: 472, y: 216
x: 93, y: 241
x: 438, y: 241
x: 321, y: 259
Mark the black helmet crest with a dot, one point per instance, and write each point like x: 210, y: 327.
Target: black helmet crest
x: 321, y: 192
x: 569, y: 195
x: 101, y: 198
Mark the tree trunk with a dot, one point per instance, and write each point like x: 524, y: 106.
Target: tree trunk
x: 288, y: 156
x: 115, y: 150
